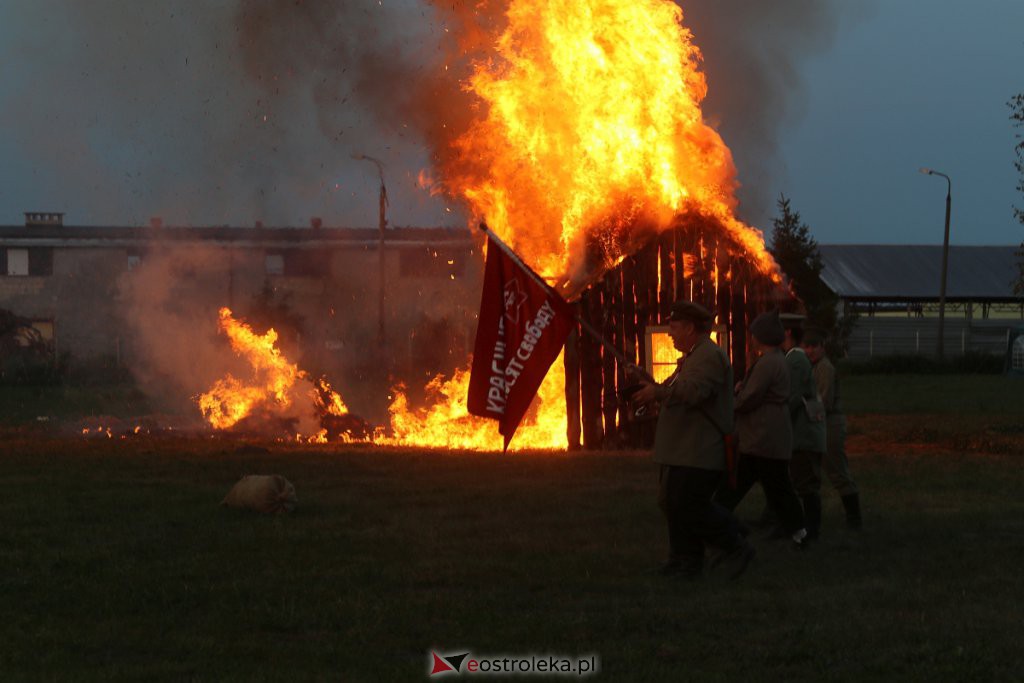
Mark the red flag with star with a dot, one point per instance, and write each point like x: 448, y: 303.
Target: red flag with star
x: 522, y: 328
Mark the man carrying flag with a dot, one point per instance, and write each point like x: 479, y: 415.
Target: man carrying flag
x: 522, y: 328
x: 695, y: 419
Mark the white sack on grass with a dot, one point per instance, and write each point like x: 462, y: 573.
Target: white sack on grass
x: 263, y: 493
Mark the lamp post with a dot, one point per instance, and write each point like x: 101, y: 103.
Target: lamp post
x: 945, y: 259
x: 383, y: 222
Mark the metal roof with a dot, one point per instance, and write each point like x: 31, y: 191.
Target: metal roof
x: 110, y: 236
x: 884, y: 272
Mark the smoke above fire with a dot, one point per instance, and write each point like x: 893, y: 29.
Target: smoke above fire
x: 235, y: 112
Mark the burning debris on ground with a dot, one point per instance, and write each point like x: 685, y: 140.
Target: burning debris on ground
x: 113, y: 427
x: 277, y: 397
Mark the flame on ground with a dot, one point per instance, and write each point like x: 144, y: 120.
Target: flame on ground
x: 277, y: 383
x: 274, y: 386
x: 446, y: 423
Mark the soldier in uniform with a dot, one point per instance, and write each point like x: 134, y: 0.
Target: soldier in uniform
x: 696, y: 413
x: 765, y: 431
x: 834, y: 463
x: 808, y: 418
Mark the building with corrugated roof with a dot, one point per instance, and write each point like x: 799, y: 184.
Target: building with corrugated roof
x: 894, y: 289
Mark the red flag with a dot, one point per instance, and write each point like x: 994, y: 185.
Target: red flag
x: 522, y: 328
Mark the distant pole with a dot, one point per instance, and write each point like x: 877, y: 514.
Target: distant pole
x: 382, y: 224
x: 945, y: 260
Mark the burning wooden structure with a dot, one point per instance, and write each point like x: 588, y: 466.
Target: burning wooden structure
x: 694, y: 262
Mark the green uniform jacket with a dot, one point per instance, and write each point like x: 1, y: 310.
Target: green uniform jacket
x: 827, y: 379
x: 763, y: 427
x: 685, y: 435
x: 807, y: 435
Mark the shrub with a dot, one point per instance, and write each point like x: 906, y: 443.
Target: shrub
x: 971, y: 363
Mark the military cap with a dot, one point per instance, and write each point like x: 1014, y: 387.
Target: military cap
x: 767, y: 329
x: 688, y: 310
x: 791, y: 320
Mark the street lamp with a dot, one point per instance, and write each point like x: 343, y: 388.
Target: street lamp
x: 945, y: 258
x: 383, y: 222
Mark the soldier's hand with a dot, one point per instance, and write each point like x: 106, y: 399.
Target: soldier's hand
x: 645, y: 394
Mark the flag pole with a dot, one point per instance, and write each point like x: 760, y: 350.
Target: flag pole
x: 585, y: 325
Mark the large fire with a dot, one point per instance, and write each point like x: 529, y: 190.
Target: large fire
x: 588, y: 138
x: 590, y: 135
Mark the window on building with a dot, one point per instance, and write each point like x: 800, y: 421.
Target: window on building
x: 661, y: 353
x: 298, y: 263
x: 17, y: 262
x: 134, y: 258
x: 274, y: 263
x: 40, y: 261
x: 24, y: 262
x: 306, y: 263
x: 662, y: 357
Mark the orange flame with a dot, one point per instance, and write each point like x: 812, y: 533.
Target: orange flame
x: 446, y: 422
x: 591, y: 133
x: 274, y: 386
x: 329, y: 400
x: 277, y: 383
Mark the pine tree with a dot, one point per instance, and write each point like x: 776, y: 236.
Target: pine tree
x: 796, y: 252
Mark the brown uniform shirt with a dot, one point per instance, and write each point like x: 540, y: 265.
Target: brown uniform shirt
x: 827, y: 379
x: 763, y: 425
x: 692, y: 403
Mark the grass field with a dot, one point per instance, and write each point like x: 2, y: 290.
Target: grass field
x: 118, y: 563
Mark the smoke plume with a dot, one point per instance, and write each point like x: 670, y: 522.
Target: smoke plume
x: 753, y: 53
x: 235, y: 112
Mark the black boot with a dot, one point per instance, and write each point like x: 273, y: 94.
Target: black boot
x: 852, y: 504
x: 812, y: 515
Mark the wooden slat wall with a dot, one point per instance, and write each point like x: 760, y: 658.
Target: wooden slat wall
x: 592, y: 373
x: 639, y: 293
x: 612, y: 311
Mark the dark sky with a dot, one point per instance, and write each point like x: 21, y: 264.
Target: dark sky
x: 115, y: 111
x: 915, y: 83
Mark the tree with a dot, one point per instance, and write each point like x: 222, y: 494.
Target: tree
x: 25, y: 356
x: 796, y: 252
x: 1016, y: 105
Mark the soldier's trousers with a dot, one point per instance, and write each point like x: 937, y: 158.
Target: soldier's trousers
x: 694, y: 519
x: 805, y: 471
x: 835, y: 464
x: 773, y: 474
